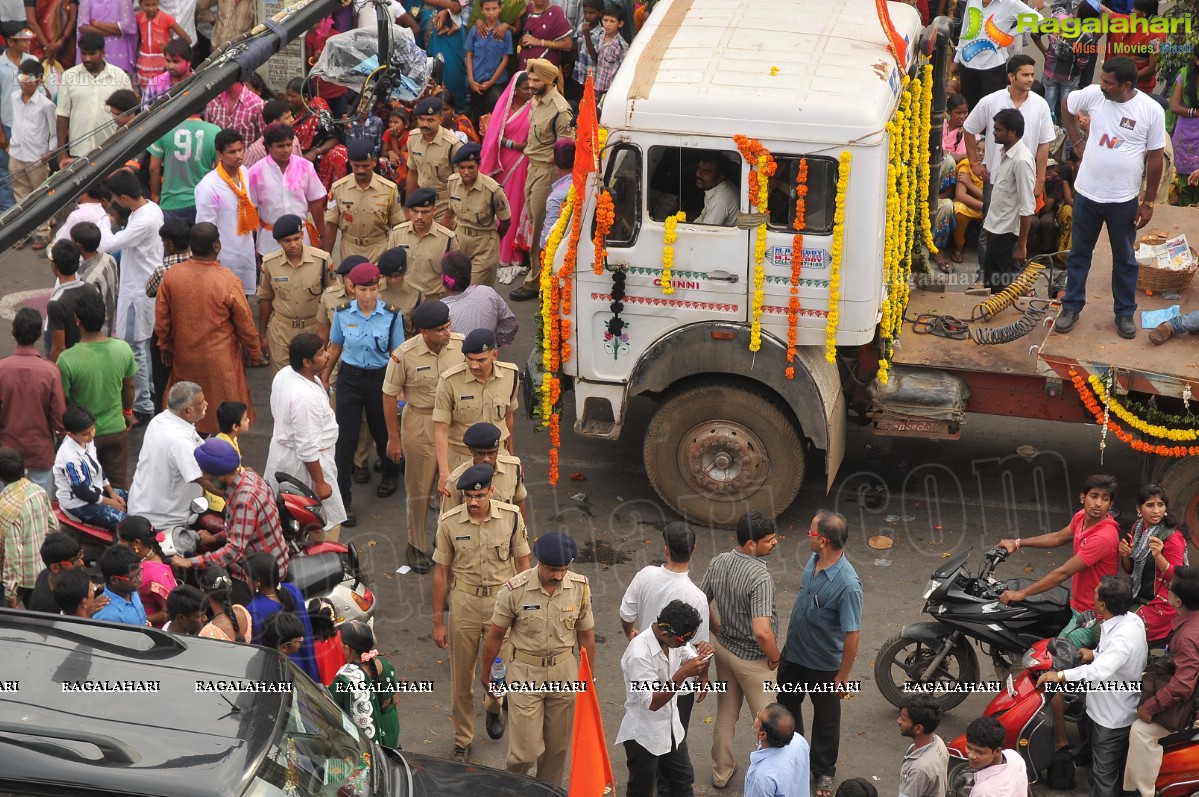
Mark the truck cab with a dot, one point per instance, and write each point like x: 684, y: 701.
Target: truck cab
x: 807, y: 80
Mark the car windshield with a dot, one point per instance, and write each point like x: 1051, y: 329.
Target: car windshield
x: 318, y: 752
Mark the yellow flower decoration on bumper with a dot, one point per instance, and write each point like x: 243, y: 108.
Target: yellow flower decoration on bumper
x: 838, y: 251
x: 672, y: 235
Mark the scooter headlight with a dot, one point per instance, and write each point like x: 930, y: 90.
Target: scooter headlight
x: 934, y: 584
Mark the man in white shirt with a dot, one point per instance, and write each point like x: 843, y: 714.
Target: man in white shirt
x: 1009, y: 218
x: 33, y: 139
x: 284, y: 183
x: 658, y: 585
x: 305, y: 431
x: 167, y: 476
x: 142, y: 252
x: 987, y: 40
x: 84, y: 121
x: 720, y: 196
x: 1114, y: 672
x: 220, y: 199
x: 1126, y: 139
x: 656, y: 665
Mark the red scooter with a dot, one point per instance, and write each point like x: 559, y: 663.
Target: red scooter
x: 1025, y: 713
x: 330, y: 570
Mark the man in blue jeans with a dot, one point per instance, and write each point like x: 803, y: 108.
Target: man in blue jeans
x: 1126, y: 140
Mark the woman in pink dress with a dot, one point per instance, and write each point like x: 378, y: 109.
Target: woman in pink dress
x: 158, y: 579
x: 504, y: 159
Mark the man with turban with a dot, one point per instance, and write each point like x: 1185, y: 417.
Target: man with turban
x: 549, y: 120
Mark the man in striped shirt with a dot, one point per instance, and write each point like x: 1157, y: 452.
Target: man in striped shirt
x: 741, y: 590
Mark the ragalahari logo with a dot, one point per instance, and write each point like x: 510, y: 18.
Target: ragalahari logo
x: 1073, y: 27
x: 981, y: 35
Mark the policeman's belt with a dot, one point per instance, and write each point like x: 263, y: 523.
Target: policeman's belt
x: 356, y: 371
x: 419, y: 410
x: 372, y: 240
x: 541, y: 661
x: 296, y: 323
x: 472, y: 231
x: 478, y: 592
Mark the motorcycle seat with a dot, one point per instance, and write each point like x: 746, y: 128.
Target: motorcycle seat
x: 1055, y: 598
x: 1185, y: 736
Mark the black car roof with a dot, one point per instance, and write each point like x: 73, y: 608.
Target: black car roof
x: 173, y: 741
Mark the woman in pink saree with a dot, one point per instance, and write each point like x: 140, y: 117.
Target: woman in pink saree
x: 503, y: 158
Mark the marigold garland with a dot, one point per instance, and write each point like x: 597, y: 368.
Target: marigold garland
x: 1121, y: 412
x: 837, y: 251
x: 1092, y: 404
x: 672, y: 235
x: 555, y: 299
x: 762, y: 168
x: 801, y: 212
x: 605, y: 217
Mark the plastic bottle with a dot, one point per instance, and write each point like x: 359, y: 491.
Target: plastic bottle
x: 498, y: 675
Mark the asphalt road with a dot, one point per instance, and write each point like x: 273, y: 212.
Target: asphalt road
x: 933, y: 498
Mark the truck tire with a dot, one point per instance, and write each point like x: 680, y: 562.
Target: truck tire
x: 715, y: 452
x: 1181, y: 485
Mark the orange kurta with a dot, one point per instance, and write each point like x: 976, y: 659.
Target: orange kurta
x: 202, y: 319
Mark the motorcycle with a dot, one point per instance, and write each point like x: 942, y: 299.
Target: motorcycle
x: 1025, y: 714
x: 325, y: 569
x: 938, y: 655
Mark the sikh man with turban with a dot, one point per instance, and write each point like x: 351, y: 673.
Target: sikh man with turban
x: 549, y: 120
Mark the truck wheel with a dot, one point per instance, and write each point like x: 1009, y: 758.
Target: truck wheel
x: 1181, y: 484
x: 715, y: 452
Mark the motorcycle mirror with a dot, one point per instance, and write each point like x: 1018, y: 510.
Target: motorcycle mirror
x: 199, y: 505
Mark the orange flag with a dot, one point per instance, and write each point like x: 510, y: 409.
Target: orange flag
x: 590, y: 767
x: 586, y: 141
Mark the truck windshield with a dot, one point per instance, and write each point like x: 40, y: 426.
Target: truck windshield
x: 319, y: 751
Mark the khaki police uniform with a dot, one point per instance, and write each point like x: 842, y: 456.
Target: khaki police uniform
x: 424, y: 255
x: 462, y: 401
x: 295, y: 294
x: 333, y: 297
x: 476, y: 211
x: 549, y: 120
x: 544, y: 632
x: 412, y: 376
x: 403, y: 296
x: 364, y: 215
x: 431, y: 160
x: 481, y: 557
x: 508, y: 481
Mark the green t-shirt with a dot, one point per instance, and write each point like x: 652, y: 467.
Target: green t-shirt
x: 188, y: 153
x: 93, y: 375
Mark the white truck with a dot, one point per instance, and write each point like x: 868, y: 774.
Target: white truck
x: 732, y: 432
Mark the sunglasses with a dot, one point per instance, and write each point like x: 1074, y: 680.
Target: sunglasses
x: 814, y: 535
x: 668, y: 629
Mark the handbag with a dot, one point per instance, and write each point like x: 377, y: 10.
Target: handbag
x: 1177, y: 717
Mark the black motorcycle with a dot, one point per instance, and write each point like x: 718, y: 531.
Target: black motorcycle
x: 938, y: 656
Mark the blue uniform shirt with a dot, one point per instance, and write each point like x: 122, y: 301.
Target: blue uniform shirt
x: 779, y: 771
x: 367, y: 342
x: 488, y: 52
x: 122, y: 610
x: 828, y: 607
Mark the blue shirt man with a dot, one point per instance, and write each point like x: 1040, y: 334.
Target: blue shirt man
x: 122, y: 609
x: 779, y: 767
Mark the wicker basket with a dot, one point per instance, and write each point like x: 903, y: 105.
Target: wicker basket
x: 1161, y: 280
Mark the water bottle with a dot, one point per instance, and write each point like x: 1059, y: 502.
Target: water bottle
x: 498, y: 674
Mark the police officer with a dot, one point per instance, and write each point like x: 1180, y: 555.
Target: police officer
x: 483, y: 440
x: 477, y: 203
x: 548, y: 609
x: 394, y: 289
x: 364, y: 207
x: 430, y: 153
x: 364, y: 333
x: 425, y: 241
x: 290, y: 289
x: 480, y: 389
x: 412, y: 374
x: 480, y: 545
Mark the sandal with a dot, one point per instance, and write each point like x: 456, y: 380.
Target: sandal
x: 824, y: 786
x: 943, y: 264
x: 958, y: 256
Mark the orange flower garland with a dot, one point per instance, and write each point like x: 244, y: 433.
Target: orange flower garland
x: 801, y: 211
x: 1104, y: 420
x: 605, y: 217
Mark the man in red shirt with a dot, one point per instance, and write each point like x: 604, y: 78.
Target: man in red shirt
x: 31, y: 400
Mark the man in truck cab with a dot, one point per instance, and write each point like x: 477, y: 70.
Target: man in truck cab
x: 720, y: 195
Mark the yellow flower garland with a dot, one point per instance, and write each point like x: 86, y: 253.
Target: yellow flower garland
x: 1142, y: 426
x: 548, y: 311
x: 759, y: 300
x: 672, y: 222
x: 834, y: 287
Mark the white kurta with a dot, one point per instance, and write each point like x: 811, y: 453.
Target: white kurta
x: 305, y: 430
x: 275, y: 194
x: 141, y: 253
x: 217, y: 204
x: 164, y: 481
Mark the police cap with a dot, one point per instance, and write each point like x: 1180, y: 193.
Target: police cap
x: 431, y: 314
x: 467, y: 152
x: 483, y: 436
x: 360, y: 150
x: 555, y: 549
x: 476, y: 477
x: 348, y: 264
x: 287, y: 225
x: 364, y: 274
x: 429, y: 106
x: 479, y: 341
x: 393, y: 261
x: 422, y: 198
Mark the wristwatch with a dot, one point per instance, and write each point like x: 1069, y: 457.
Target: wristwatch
x: 1147, y: 204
